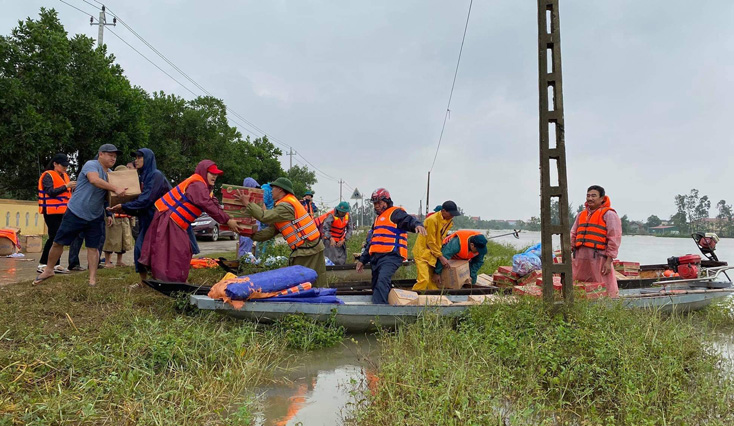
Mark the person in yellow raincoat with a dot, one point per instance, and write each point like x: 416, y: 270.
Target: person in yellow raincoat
x: 427, y: 249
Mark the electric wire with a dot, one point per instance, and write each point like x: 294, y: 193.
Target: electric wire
x: 93, y: 5
x: 456, y: 72
x: 71, y: 5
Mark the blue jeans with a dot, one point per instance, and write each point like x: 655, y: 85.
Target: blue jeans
x: 383, y: 268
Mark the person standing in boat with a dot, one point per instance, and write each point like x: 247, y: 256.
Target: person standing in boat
x: 596, y: 235
x: 427, y: 249
x: 291, y: 220
x: 337, y: 229
x: 388, y: 246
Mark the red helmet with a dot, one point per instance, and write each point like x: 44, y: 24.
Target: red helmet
x: 380, y: 194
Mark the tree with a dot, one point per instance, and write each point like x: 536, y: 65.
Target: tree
x: 59, y: 95
x: 653, y: 221
x: 555, y: 211
x: 725, y: 218
x: 625, y: 224
x: 302, y: 179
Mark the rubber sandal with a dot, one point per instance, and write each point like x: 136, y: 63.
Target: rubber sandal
x: 39, y: 280
x: 61, y: 270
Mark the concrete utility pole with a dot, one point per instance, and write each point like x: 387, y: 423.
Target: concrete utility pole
x: 290, y: 153
x: 341, y: 182
x: 552, y: 153
x: 428, y: 193
x: 102, y: 23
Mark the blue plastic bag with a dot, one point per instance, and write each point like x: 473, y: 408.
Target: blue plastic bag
x: 270, y: 281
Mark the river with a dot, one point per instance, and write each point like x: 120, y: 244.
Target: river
x: 645, y: 249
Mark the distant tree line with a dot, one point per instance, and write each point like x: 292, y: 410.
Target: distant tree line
x: 61, y: 94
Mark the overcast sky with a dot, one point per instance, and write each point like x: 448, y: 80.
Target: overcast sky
x: 360, y: 90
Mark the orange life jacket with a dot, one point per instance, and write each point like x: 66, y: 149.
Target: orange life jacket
x: 184, y: 211
x: 386, y: 236
x: 592, y: 229
x: 57, y: 204
x: 339, y: 227
x: 463, y: 235
x: 299, y: 230
x: 320, y: 220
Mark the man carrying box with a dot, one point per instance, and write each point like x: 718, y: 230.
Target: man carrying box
x: 337, y: 229
x: 464, y: 244
x: 427, y: 249
x: 86, y: 212
x: 291, y: 220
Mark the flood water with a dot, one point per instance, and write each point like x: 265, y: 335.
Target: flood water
x: 319, y: 390
x: 645, y: 249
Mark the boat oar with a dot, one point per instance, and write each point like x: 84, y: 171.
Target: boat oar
x: 514, y: 233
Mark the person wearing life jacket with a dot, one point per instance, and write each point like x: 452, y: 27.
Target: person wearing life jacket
x: 309, y: 205
x: 336, y: 231
x: 387, y: 246
x: 290, y: 219
x: 54, y: 192
x: 319, y: 220
x: 427, y: 249
x: 595, y: 238
x: 118, y: 236
x: 464, y: 244
x: 167, y: 250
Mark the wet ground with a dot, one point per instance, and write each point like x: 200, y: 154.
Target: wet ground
x: 13, y: 270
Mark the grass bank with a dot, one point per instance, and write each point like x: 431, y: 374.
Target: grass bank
x: 74, y: 354
x: 517, y: 364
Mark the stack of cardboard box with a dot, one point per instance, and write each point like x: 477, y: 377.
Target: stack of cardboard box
x: 504, y: 277
x: 628, y: 269
x: 398, y: 297
x: 234, y: 208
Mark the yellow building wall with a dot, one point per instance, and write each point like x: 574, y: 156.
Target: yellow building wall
x: 22, y: 215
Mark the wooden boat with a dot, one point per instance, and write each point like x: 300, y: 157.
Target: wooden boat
x: 358, y: 313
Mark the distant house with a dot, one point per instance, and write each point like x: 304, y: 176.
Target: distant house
x: 637, y: 227
x: 664, y: 229
x: 475, y: 218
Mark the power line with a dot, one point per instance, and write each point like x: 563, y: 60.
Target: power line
x: 93, y: 5
x: 71, y: 5
x: 456, y: 72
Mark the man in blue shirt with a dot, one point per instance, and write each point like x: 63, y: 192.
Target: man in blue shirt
x: 86, y: 212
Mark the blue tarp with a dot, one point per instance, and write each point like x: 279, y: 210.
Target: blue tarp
x: 270, y: 281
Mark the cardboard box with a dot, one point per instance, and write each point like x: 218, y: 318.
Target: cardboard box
x: 507, y: 271
x: 530, y: 278
x: 127, y: 178
x: 503, y: 281
x: 398, y: 297
x: 229, y: 194
x: 31, y: 243
x: 422, y: 300
x: 484, y: 280
x: 249, y: 228
x: 528, y: 290
x: 457, y: 275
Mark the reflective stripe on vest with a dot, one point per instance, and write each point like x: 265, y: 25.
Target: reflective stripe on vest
x: 57, y: 204
x: 184, y: 212
x: 303, y: 228
x: 592, y: 229
x: 386, y: 236
x: 339, y: 227
x: 463, y: 235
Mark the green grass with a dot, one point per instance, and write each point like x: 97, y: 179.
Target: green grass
x: 517, y: 364
x: 74, y: 354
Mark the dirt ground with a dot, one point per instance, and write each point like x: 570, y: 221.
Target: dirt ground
x: 13, y: 270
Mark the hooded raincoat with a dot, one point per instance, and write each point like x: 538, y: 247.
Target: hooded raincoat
x: 587, y: 262
x: 427, y: 250
x: 166, y: 248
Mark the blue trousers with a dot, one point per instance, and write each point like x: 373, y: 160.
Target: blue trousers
x: 383, y: 268
x: 76, y: 246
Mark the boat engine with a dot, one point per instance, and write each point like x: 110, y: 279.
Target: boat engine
x: 686, y: 266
